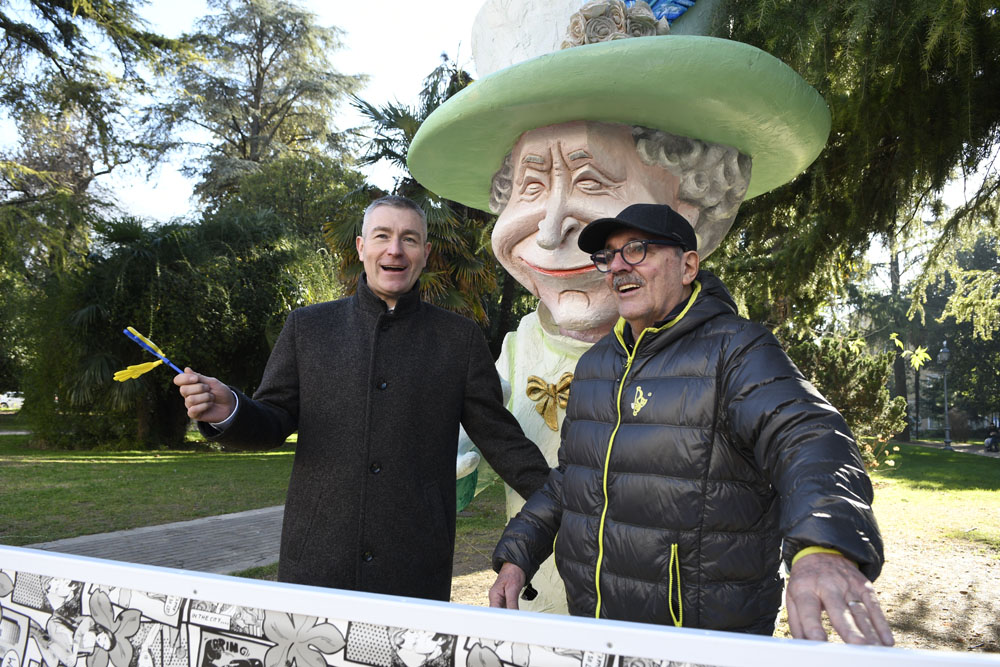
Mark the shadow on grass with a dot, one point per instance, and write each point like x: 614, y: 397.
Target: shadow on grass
x: 925, y: 467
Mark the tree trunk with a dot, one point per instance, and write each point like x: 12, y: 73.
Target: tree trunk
x: 502, y: 323
x: 899, y: 363
x: 162, y: 422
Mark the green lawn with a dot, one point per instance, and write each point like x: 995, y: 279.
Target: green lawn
x: 932, y: 493
x: 48, y: 495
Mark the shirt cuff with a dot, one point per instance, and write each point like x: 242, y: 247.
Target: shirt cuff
x: 224, y: 424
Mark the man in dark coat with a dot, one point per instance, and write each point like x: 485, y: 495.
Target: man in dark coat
x: 376, y: 386
x: 694, y: 458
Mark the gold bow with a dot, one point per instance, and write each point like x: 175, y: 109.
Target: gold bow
x: 549, y: 397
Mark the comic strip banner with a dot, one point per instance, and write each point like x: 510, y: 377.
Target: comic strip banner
x: 70, y: 611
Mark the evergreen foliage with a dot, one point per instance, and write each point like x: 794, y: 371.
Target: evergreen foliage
x: 855, y: 381
x: 262, y: 87
x: 85, y: 57
x: 213, y: 295
x: 68, y: 71
x: 914, y: 90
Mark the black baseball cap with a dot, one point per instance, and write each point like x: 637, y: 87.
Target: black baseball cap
x: 657, y: 219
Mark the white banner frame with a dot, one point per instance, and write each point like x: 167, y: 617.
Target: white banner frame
x: 596, y: 638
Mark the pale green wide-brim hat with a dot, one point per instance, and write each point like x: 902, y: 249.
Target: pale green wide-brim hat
x: 700, y: 87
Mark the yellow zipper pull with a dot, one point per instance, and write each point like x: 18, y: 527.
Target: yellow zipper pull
x: 675, y: 566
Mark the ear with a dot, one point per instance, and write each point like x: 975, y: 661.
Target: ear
x: 427, y: 251
x: 359, y: 242
x: 691, y: 262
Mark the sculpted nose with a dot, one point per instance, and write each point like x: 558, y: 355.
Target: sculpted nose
x: 557, y: 225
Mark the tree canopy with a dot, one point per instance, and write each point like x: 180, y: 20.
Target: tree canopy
x: 262, y: 87
x: 84, y: 57
x: 914, y: 90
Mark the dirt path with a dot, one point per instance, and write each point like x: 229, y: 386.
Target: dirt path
x: 942, y: 594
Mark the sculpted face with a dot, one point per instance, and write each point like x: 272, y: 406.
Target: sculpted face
x: 565, y: 176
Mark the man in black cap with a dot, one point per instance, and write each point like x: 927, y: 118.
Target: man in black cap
x: 695, y: 458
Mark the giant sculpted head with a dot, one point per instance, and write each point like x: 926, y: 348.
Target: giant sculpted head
x: 559, y: 178
x: 554, y: 137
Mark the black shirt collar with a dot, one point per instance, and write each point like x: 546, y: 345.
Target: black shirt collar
x: 371, y: 302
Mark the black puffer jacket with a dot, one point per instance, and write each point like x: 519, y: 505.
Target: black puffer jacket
x: 677, y: 484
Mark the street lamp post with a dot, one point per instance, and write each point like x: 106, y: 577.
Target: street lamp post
x: 943, y: 356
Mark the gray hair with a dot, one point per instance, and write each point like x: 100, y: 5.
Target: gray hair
x: 713, y: 177
x: 395, y: 201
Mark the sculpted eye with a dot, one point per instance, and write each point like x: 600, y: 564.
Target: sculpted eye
x: 590, y: 185
x: 590, y: 180
x: 532, y: 190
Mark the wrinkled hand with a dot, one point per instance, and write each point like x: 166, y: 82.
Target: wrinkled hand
x: 827, y: 581
x: 205, y: 398
x: 504, y: 591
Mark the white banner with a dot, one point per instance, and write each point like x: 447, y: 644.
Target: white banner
x: 81, y: 612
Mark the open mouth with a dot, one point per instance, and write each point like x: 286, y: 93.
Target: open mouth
x: 627, y: 283
x: 563, y: 272
x: 392, y: 268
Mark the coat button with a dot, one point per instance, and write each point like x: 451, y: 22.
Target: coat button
x: 375, y: 468
x: 367, y: 556
x: 382, y: 384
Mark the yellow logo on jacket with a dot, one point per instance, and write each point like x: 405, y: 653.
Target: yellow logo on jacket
x: 639, y: 402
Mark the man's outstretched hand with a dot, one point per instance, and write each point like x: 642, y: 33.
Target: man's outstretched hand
x: 823, y: 581
x: 504, y: 591
x: 205, y: 398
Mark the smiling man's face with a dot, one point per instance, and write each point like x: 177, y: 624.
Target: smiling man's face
x: 566, y: 176
x: 393, y: 247
x: 646, y: 292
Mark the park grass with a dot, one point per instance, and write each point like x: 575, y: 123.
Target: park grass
x: 933, y: 493
x: 48, y: 495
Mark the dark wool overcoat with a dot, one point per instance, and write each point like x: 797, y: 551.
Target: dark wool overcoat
x: 377, y: 398
x: 685, y: 462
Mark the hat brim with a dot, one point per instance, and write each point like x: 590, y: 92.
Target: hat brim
x: 705, y: 88
x: 592, y: 237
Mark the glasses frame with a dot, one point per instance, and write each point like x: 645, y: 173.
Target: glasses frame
x: 609, y: 258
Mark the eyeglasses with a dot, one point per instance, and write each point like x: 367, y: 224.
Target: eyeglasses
x: 632, y: 252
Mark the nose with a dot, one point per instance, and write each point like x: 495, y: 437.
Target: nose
x: 557, y: 224
x: 395, y: 247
